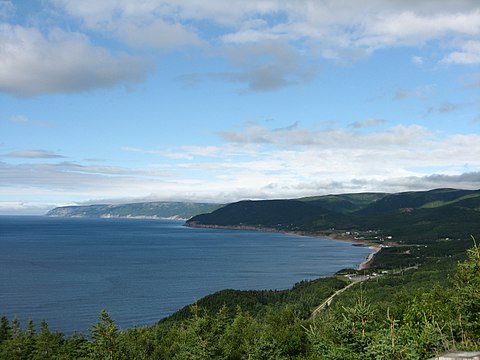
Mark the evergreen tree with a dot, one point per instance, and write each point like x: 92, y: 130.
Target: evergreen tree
x: 240, y: 337
x: 48, y: 345
x: 5, y: 329
x: 467, y: 298
x: 105, y: 335
x: 20, y: 345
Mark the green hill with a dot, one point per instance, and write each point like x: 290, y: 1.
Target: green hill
x: 344, y: 203
x: 277, y: 214
x: 415, y: 200
x: 408, y: 217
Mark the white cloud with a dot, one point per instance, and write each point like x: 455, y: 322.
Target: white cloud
x: 285, y: 161
x: 261, y: 66
x: 417, y: 60
x: 157, y: 34
x: 373, y: 24
x: 34, y: 64
x: 22, y: 119
x: 367, y: 123
x: 472, y: 82
x: 67, y: 178
x: 342, y: 31
x: 410, y: 28
x: 6, y: 9
x: 336, y: 138
x: 419, y: 92
x: 24, y: 208
x: 19, y: 119
x: 376, y: 156
x: 469, y: 54
x: 187, y: 152
x: 269, y: 65
x: 288, y: 162
x: 103, y: 13
x: 34, y: 154
x: 470, y: 180
x: 446, y: 108
x: 336, y: 27
x: 151, y: 24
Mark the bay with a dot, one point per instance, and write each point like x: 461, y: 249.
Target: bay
x: 66, y: 270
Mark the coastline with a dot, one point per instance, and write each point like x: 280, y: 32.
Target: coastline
x: 109, y: 216
x: 370, y: 258
x: 355, y: 242
x: 143, y: 217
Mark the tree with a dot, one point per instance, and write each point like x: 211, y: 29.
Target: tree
x: 20, y: 344
x: 47, y: 344
x: 5, y: 329
x: 240, y: 337
x: 105, y: 335
x: 139, y: 344
x: 467, y: 297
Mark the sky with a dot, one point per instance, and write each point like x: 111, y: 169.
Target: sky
x: 165, y: 100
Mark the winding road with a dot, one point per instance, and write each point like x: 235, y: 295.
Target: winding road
x: 356, y: 280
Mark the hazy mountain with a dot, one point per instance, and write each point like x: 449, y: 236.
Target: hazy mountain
x: 174, y: 210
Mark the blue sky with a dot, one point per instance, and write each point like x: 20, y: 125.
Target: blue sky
x: 123, y: 100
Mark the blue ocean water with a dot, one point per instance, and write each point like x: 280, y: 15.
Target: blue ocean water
x: 66, y: 270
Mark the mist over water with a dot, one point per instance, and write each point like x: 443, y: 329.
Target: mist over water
x: 66, y: 270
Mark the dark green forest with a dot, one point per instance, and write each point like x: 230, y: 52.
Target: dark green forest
x: 419, y: 298
x: 416, y: 217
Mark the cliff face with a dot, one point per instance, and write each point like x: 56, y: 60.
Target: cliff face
x: 169, y: 210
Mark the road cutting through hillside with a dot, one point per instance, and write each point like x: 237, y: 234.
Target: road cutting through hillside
x: 355, y: 280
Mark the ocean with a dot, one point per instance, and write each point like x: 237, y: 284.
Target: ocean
x: 66, y: 270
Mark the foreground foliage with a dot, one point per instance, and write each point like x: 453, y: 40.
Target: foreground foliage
x: 415, y: 324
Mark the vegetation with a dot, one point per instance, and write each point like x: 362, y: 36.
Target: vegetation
x: 409, y: 314
x: 263, y: 213
x: 419, y: 298
x: 344, y: 203
x: 303, y: 297
x: 421, y: 217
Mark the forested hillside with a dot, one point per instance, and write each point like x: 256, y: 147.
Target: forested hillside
x: 410, y: 217
x: 264, y: 213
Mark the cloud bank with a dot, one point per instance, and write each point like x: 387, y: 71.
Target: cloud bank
x: 260, y: 162
x: 60, y: 62
x: 295, y: 36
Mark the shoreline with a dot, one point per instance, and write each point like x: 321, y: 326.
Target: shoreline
x: 107, y: 216
x: 376, y: 248
x: 370, y: 258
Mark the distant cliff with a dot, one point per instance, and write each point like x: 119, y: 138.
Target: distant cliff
x: 163, y: 210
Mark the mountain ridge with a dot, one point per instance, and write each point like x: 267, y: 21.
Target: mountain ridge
x: 408, y: 217
x: 155, y: 209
